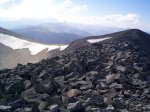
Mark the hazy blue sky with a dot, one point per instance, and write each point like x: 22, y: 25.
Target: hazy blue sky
x: 106, y: 7
x: 112, y: 13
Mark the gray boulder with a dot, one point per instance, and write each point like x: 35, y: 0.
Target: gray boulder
x: 76, y: 107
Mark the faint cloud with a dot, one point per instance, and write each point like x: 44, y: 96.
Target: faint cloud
x: 116, y: 20
x: 40, y: 9
x: 66, y: 11
x: 8, y: 3
x: 2, y: 2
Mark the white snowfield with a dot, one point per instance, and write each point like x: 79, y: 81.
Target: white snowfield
x: 16, y: 43
x: 97, y: 40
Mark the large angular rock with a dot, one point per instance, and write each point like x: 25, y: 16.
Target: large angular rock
x: 111, y: 94
x: 54, y: 100
x: 1, y: 89
x: 121, y: 68
x: 73, y: 92
x: 70, y: 76
x: 31, y: 96
x: 74, y: 66
x: 21, y: 103
x: 27, y: 84
x: 19, y: 110
x: 60, y: 81
x: 47, y: 86
x: 118, y: 103
x: 76, y: 107
x: 54, y: 108
x: 42, y: 105
x: 110, y: 108
x: 110, y: 78
x: 64, y: 110
x: 35, y: 108
x: 14, y: 87
x: 116, y: 86
x: 43, y: 75
x: 5, y: 108
x: 97, y: 100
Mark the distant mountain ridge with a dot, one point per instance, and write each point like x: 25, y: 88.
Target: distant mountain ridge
x: 16, y: 49
x: 51, y: 33
x: 46, y: 36
x: 9, y: 32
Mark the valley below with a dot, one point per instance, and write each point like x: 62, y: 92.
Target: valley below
x: 15, y: 50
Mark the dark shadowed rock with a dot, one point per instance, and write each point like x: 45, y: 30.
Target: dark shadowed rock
x: 47, y: 86
x: 118, y: 103
x: 35, y: 108
x: 14, y: 87
x: 21, y: 103
x: 53, y: 100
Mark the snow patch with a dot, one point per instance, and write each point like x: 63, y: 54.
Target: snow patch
x: 63, y: 47
x: 16, y: 43
x: 98, y: 40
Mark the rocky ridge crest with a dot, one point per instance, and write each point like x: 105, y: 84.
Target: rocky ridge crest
x: 109, y: 76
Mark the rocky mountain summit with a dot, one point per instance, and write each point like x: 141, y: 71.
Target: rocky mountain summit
x: 108, y: 76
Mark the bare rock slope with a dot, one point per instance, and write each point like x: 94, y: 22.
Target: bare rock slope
x: 108, y: 76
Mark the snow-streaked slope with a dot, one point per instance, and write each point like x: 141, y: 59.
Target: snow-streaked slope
x: 16, y: 43
x: 97, y: 40
x: 63, y: 47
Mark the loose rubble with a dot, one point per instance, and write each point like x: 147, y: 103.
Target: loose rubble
x: 109, y: 76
